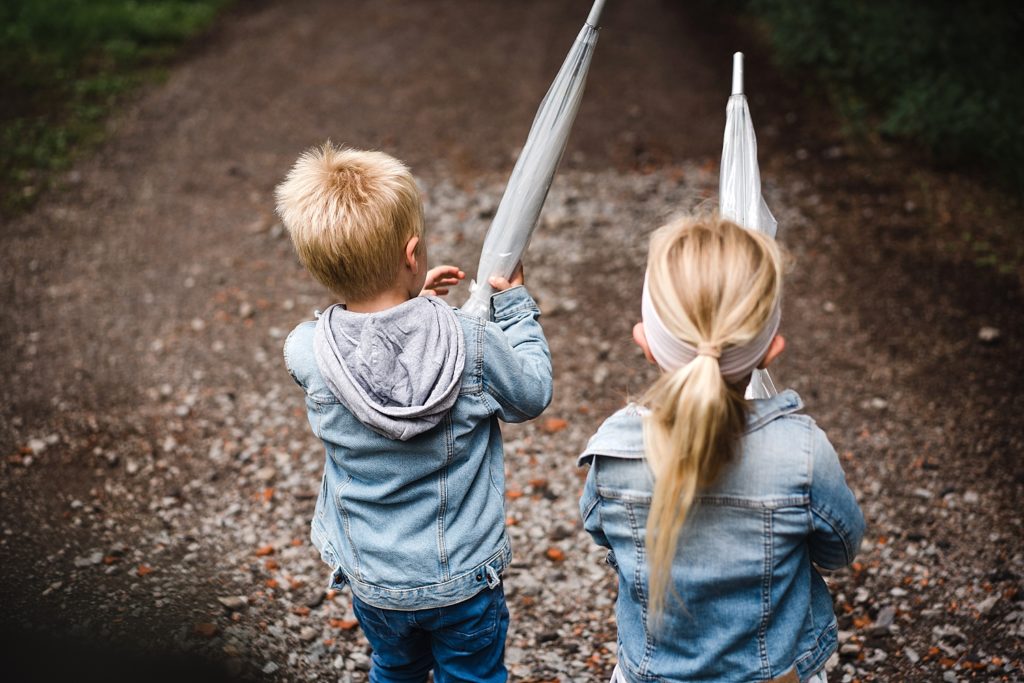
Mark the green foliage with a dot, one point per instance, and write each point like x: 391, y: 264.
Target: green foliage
x: 945, y: 73
x: 63, y: 65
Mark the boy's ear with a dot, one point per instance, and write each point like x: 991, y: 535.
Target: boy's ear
x: 641, y: 340
x: 777, y: 346
x: 412, y: 254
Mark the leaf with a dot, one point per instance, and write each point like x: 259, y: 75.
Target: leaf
x: 554, y: 554
x: 343, y: 624
x: 144, y: 569
x: 553, y: 425
x: 265, y: 550
x: 205, y: 630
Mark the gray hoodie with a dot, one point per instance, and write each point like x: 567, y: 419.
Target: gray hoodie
x: 398, y: 370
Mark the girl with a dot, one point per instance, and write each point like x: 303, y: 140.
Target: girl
x: 715, y: 509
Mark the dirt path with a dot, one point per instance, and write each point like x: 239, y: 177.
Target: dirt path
x: 156, y: 456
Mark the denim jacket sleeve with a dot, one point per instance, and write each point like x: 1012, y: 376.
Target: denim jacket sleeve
x: 590, y: 502
x: 836, y: 519
x: 517, y: 362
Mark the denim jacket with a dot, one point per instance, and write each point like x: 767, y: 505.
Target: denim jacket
x: 420, y: 523
x: 745, y: 601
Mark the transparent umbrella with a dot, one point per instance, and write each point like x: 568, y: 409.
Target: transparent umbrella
x: 739, y: 187
x: 520, y: 206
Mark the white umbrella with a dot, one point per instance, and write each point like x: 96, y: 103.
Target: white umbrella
x: 739, y: 188
x: 520, y: 206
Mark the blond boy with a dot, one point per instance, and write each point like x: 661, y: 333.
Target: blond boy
x: 405, y: 393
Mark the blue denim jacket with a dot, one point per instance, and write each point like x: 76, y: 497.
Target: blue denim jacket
x: 751, y: 604
x: 420, y: 524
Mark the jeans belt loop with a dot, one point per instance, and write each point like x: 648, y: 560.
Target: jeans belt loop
x: 493, y: 578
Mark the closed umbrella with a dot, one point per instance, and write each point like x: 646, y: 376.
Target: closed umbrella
x: 520, y: 206
x: 739, y: 188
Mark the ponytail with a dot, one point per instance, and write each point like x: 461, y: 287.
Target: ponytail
x: 692, y: 429
x: 711, y: 307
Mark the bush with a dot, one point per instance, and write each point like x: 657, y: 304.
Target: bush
x: 63, y: 64
x: 946, y: 74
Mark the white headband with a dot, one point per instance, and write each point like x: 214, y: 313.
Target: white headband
x: 672, y: 353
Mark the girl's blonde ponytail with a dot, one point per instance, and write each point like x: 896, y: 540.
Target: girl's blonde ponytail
x: 714, y: 285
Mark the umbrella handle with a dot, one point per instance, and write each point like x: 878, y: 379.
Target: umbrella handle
x: 595, y: 13
x: 737, y: 73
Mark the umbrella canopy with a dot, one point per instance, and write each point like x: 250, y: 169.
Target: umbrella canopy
x: 739, y: 187
x: 520, y: 206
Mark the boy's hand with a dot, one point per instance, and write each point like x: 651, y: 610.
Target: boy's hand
x: 439, y: 279
x: 501, y: 284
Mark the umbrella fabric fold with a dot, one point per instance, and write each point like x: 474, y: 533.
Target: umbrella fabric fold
x: 516, y: 217
x: 739, y: 188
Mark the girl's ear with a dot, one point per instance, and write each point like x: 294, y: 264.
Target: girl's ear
x: 412, y: 254
x: 641, y: 340
x: 777, y: 346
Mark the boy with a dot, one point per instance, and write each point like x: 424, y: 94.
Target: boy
x: 405, y: 392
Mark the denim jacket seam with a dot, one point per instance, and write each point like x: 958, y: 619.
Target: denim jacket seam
x: 442, y: 508
x: 318, y: 429
x: 503, y: 402
x: 516, y: 312
x: 478, y: 360
x: 766, y: 595
x: 638, y: 578
x: 590, y: 508
x: 347, y: 522
x: 837, y: 526
x: 817, y: 645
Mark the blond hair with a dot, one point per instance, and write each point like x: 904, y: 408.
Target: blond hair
x: 350, y: 214
x: 713, y: 284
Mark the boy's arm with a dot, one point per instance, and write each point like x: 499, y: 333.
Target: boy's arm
x: 517, y: 363
x: 837, y: 523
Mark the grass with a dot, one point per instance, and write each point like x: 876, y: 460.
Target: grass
x: 64, y: 66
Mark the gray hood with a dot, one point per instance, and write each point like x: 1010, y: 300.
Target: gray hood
x: 398, y: 370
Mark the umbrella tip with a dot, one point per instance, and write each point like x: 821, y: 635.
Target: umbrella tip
x: 737, y: 73
x: 594, y: 19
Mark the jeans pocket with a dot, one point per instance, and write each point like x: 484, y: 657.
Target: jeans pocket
x: 473, y: 624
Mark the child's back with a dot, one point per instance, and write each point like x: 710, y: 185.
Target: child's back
x: 745, y: 602
x: 412, y: 515
x: 716, y: 509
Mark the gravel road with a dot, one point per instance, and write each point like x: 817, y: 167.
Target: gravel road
x: 157, y: 470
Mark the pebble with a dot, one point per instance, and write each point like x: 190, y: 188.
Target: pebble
x: 233, y: 602
x: 989, y: 335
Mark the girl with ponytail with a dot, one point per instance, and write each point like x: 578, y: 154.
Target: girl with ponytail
x: 717, y: 511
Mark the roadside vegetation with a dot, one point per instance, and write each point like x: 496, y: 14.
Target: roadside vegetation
x: 945, y: 75
x: 64, y: 64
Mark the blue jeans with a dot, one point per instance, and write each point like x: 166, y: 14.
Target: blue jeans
x: 461, y: 642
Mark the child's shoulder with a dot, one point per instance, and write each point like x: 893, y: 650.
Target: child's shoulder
x: 621, y: 435
x: 298, y: 353
x: 779, y: 427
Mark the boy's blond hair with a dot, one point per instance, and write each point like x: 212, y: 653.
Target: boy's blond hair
x: 350, y: 214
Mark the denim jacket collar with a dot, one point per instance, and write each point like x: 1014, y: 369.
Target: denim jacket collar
x: 622, y: 434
